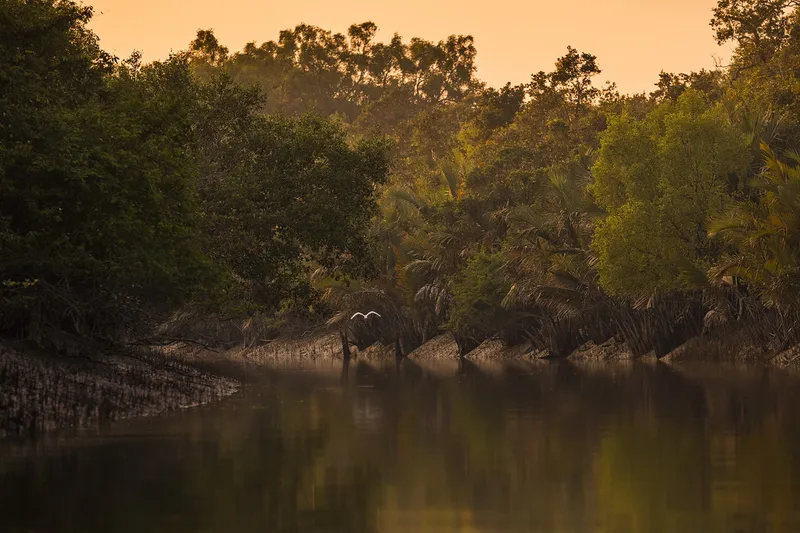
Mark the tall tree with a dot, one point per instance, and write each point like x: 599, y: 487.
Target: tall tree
x: 660, y: 180
x: 759, y: 27
x: 280, y: 192
x: 96, y: 187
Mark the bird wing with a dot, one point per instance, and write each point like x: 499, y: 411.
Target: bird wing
x: 355, y: 315
x: 373, y: 313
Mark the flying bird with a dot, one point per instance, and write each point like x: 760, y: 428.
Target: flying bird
x: 367, y: 315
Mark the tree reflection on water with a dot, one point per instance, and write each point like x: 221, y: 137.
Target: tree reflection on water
x: 545, y: 448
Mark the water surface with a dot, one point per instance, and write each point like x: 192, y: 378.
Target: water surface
x: 550, y: 448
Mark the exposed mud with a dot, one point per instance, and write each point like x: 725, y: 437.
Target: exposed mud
x: 41, y: 392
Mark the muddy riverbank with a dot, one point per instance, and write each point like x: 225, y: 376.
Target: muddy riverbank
x: 40, y: 392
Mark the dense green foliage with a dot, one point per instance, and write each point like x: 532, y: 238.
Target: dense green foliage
x: 660, y: 179
x: 127, y: 190
x: 555, y: 212
x: 96, y: 201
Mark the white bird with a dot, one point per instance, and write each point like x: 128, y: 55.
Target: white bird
x: 366, y: 316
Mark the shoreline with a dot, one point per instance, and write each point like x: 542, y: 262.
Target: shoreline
x: 42, y: 392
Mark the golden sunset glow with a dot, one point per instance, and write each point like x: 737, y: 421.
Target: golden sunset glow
x: 632, y: 39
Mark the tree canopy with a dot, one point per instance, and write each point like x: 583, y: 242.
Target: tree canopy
x: 321, y: 171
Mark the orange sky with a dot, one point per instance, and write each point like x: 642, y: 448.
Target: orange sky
x: 633, y: 39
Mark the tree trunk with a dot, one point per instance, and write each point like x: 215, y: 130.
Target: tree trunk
x: 398, y: 352
x: 345, y: 346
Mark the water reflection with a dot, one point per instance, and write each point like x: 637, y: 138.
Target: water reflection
x: 539, y: 448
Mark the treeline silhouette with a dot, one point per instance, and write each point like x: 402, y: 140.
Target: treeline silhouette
x: 321, y: 174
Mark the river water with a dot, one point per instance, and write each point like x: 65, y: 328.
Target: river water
x: 552, y: 447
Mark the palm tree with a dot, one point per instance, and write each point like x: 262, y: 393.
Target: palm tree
x: 765, y: 236
x: 552, y: 266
